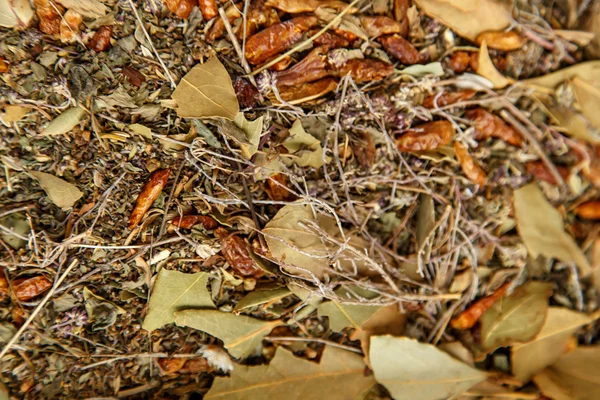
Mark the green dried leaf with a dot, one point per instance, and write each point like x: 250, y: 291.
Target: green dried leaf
x: 305, y: 146
x: 206, y: 133
x: 62, y: 193
x: 339, y: 376
x: 174, y: 291
x: 418, y: 371
x: 101, y: 312
x: 18, y: 224
x: 252, y: 131
x: 240, y: 334
x: 541, y: 227
x: 258, y: 297
x: 65, y: 122
x: 516, y: 318
x: 347, y: 315
x: 141, y: 130
x: 206, y: 91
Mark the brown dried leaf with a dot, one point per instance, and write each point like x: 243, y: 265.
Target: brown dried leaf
x: 489, y: 125
x: 136, y: 78
x: 27, y: 289
x: 101, y: 39
x: 428, y: 136
x: 150, y: 191
x: 401, y: 49
x: 470, y: 168
x: 501, y: 40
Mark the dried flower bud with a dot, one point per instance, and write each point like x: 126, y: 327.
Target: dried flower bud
x: 428, y: 136
x: 69, y: 26
x: 189, y: 221
x: 101, y: 39
x: 459, y: 61
x: 150, y: 191
x: 49, y: 15
x: 376, y: 26
x: 181, y: 8
x: 447, y: 98
x: 401, y: 49
x: 470, y: 168
x: 500, y: 40
x: 589, y: 210
x: 27, y: 289
x: 209, y: 9
x: 489, y: 125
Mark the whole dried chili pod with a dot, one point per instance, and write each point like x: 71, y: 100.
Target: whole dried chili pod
x: 101, y: 39
x: 277, y: 38
x: 150, y: 191
x: 468, y: 318
x: 305, y: 6
x: 469, y: 166
x: 259, y: 16
x: 589, y: 210
x: 308, y: 91
x: 366, y: 70
x: 401, y: 49
x: 49, y: 15
x: 312, y: 67
x: 401, y: 9
x: 447, y: 98
x: 235, y: 251
x: 539, y: 170
x: 428, y: 136
x: 489, y: 125
x: 27, y: 289
x: 181, y: 8
x: 376, y: 26
x: 208, y: 8
x: 189, y: 221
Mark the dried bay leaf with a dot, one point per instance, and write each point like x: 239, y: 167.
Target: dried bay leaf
x: 515, y: 318
x: 549, y: 345
x: 588, y: 98
x: 339, y: 376
x: 487, y: 69
x: 206, y: 91
x: 418, y: 371
x: 18, y: 224
x: 305, y: 146
x: 141, y: 130
x: 542, y: 230
x: 174, y: 291
x: 62, y: 193
x: 468, y: 18
x: 65, y: 122
x: 259, y: 297
x: 240, y: 334
x: 87, y: 8
x: 15, y: 13
x: 252, y: 131
x: 347, y: 315
x: 590, y: 71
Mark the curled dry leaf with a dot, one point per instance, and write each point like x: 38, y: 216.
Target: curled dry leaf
x: 308, y: 91
x: 376, y: 26
x: 181, y: 8
x: 101, y: 39
x: 469, y: 317
x: 539, y: 170
x: 277, y: 38
x: 485, y: 67
x: 49, y: 15
x: 27, y: 289
x: 209, y: 9
x: 447, y: 98
x: 401, y: 49
x: 589, y: 210
x: 489, y: 125
x: 69, y: 26
x: 235, y: 251
x: 150, y: 191
x: 470, y: 168
x: 501, y: 40
x: 428, y: 136
x: 189, y: 221
x: 459, y: 61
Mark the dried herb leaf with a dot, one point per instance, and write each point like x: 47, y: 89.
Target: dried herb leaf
x: 590, y: 71
x: 418, y: 371
x: 549, y: 345
x: 339, y: 376
x: 101, y: 312
x: 240, y: 334
x: 13, y: 113
x: 62, y: 193
x: 206, y: 91
x: 65, y: 122
x: 588, y: 98
x: 175, y: 291
x: 347, y: 315
x: 252, y: 131
x: 541, y: 228
x: 87, y: 8
x: 141, y: 130
x: 516, y: 318
x: 18, y: 224
x: 305, y: 146
x: 15, y: 13
x: 258, y: 297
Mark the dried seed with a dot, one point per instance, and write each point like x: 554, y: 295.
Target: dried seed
x: 136, y: 78
x: 376, y: 26
x: 236, y: 253
x: 428, y: 136
x: 364, y: 70
x: 470, y: 168
x: 539, y: 170
x: 101, y: 39
x: 308, y: 91
x: 277, y: 38
x: 589, y: 210
x: 247, y: 95
x: 500, y: 40
x: 150, y: 191
x: 181, y: 8
x: 209, y: 9
x: 489, y: 125
x: 401, y: 49
x: 27, y: 289
x: 49, y: 15
x: 189, y: 221
x: 459, y: 61
x: 468, y: 318
x: 277, y: 184
x: 447, y: 98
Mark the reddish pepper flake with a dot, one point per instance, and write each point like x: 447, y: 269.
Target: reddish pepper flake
x: 459, y: 61
x: 489, y: 125
x: 181, y: 8
x: 447, y: 98
x: 539, y: 170
x: 189, y: 221
x: 401, y: 49
x: 209, y: 9
x: 101, y: 39
x: 3, y: 65
x: 428, y: 136
x: 27, y: 289
x: 468, y: 318
x: 277, y: 184
x: 150, y: 191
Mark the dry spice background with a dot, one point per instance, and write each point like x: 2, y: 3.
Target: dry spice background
x: 309, y: 199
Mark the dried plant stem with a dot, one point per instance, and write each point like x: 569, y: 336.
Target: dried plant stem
x: 301, y: 339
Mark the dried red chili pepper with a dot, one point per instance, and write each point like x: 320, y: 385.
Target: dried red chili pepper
x: 281, y: 65
x: 189, y: 221
x: 236, y: 253
x: 447, y: 98
x: 136, y: 78
x: 69, y: 26
x: 303, y: 6
x: 366, y: 70
x: 259, y: 16
x: 101, y: 39
x: 49, y: 15
x: 351, y: 37
x: 208, y: 8
x: 539, y: 170
x: 277, y: 184
x: 195, y: 366
x: 470, y: 168
x: 329, y: 39
x: 150, y: 191
x: 308, y: 91
x: 500, y: 40
x: 312, y: 67
x: 181, y: 8
x: 376, y: 26
x: 247, y: 94
x: 468, y: 318
x: 428, y: 136
x: 401, y: 49
x: 27, y: 289
x: 218, y: 29
x: 489, y: 125
x: 589, y: 210
x: 474, y: 60
x: 459, y: 61
x: 277, y: 38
